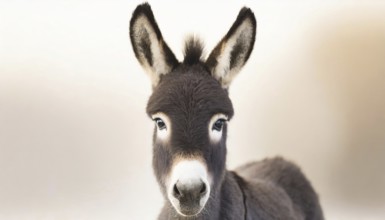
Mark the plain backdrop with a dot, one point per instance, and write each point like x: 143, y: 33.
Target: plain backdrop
x: 75, y: 142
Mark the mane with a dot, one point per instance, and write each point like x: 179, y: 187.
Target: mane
x: 193, y: 50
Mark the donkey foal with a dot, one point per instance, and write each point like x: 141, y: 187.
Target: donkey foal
x: 191, y: 107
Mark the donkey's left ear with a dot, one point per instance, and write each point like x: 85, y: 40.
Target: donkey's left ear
x: 232, y: 52
x: 147, y: 41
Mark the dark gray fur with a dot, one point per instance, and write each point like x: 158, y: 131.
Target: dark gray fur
x: 272, y: 189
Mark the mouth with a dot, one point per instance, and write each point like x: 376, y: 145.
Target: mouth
x: 189, y: 213
x: 188, y: 208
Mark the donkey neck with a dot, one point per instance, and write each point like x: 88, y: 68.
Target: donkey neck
x: 227, y: 202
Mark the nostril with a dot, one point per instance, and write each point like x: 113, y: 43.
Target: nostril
x: 187, y: 190
x: 203, y: 189
x: 176, y: 191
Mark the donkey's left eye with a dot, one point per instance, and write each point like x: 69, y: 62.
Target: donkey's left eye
x: 218, y: 125
x: 160, y: 123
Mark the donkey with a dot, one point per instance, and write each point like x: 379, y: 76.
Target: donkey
x: 191, y: 107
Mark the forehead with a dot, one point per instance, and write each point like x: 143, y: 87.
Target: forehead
x: 189, y: 90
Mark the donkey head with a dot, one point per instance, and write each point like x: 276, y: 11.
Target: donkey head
x: 190, y: 106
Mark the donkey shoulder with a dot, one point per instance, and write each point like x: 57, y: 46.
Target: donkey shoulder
x: 280, y: 180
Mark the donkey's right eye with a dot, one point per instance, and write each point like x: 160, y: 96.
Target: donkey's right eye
x: 163, y: 126
x: 160, y: 123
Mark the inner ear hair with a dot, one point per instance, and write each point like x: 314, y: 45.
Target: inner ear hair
x: 233, y: 51
x: 149, y: 47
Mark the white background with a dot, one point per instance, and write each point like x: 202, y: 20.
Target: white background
x: 75, y: 142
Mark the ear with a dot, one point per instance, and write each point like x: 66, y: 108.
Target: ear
x: 149, y: 47
x: 232, y: 52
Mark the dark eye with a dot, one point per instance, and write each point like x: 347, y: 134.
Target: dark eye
x: 218, y: 125
x: 160, y: 123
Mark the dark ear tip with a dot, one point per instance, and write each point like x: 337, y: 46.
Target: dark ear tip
x: 143, y: 8
x: 245, y: 13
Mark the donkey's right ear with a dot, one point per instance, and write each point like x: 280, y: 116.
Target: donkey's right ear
x: 149, y: 47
